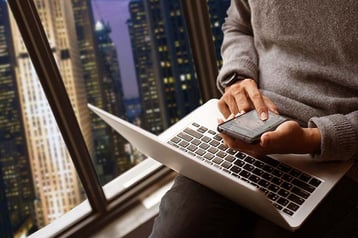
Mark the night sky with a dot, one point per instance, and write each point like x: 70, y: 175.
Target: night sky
x: 116, y: 13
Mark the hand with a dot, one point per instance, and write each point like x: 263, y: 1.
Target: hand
x: 289, y: 137
x: 244, y: 96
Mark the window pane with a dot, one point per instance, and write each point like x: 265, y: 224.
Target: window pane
x: 146, y: 69
x: 38, y: 182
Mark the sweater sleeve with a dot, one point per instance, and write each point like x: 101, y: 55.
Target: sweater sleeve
x: 238, y: 50
x: 339, y: 135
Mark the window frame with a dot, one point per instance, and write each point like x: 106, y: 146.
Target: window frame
x: 104, y: 210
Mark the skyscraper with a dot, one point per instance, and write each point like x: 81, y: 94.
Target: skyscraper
x: 113, y: 94
x: 217, y: 13
x: 17, y: 193
x: 153, y: 118
x: 5, y: 223
x: 165, y: 49
x: 57, y: 186
x: 101, y: 78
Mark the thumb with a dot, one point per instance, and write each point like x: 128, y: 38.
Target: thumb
x: 268, y: 138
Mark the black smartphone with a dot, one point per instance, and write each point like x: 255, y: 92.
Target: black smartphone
x: 249, y: 127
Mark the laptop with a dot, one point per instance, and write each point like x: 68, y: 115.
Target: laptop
x: 284, y: 189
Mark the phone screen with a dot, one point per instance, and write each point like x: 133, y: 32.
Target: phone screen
x: 249, y: 127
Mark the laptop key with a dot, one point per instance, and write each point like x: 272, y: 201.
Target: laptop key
x: 249, y: 167
x: 267, y: 176
x: 193, y: 133
x: 185, y: 136
x: 282, y: 201
x: 183, y: 143
x: 315, y: 182
x: 296, y: 199
x: 209, y: 156
x: 292, y: 207
x: 206, y: 139
x: 213, y: 150
x: 283, y: 193
x: 192, y: 147
x: 258, y: 172
x: 254, y: 178
x: 300, y: 192
x: 305, y: 177
x: 249, y: 160
x: 175, y: 139
x: 221, y: 154
x: 245, y: 174
x: 226, y: 165
x: 263, y: 183
x: 273, y: 188
x: 235, y: 169
x: 272, y: 196
x: 214, y: 143
x: 303, y: 185
x: 196, y: 142
x: 200, y: 152
x: 240, y: 155
x: 287, y: 186
x: 229, y: 158
x: 295, y: 173
x: 239, y: 163
x: 217, y: 160
x: 268, y: 160
x: 204, y: 146
x: 288, y: 211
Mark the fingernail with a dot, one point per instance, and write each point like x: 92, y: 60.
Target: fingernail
x: 239, y: 113
x: 263, y: 116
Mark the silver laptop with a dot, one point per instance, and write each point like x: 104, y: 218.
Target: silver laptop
x: 284, y: 189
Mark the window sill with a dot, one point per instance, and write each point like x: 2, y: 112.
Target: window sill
x: 137, y: 215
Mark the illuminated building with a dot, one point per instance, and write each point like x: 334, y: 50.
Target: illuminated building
x: 16, y: 187
x: 101, y: 91
x: 165, y: 70
x: 57, y: 186
x: 113, y: 97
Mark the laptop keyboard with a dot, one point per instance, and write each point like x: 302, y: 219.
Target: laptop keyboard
x: 286, y: 187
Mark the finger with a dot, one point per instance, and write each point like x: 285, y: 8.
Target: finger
x: 259, y: 104
x: 271, y: 106
x: 242, y: 102
x: 223, y: 108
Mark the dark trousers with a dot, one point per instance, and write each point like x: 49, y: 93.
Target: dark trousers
x: 189, y: 209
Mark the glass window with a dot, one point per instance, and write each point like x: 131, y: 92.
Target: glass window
x: 131, y: 58
x: 38, y: 182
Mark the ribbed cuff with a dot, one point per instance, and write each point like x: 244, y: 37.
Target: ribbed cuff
x: 338, y: 138
x: 244, y: 68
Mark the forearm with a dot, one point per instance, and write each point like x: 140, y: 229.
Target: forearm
x: 238, y: 50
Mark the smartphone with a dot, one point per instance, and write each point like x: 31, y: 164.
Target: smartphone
x: 249, y: 127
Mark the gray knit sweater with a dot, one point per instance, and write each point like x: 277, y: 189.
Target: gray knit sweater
x: 303, y: 56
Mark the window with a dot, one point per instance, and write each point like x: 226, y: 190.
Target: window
x: 127, y: 57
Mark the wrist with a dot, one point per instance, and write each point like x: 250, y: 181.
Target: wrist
x: 231, y: 79
x: 313, y: 139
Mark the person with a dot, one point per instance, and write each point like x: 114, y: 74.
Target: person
x: 299, y: 59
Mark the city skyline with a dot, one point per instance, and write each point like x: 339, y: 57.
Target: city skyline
x: 116, y: 13
x: 166, y: 67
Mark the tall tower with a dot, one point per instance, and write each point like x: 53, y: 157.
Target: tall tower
x: 5, y: 223
x: 17, y: 193
x: 166, y: 50
x: 153, y: 117
x: 113, y: 94
x: 100, y: 86
x: 57, y: 186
